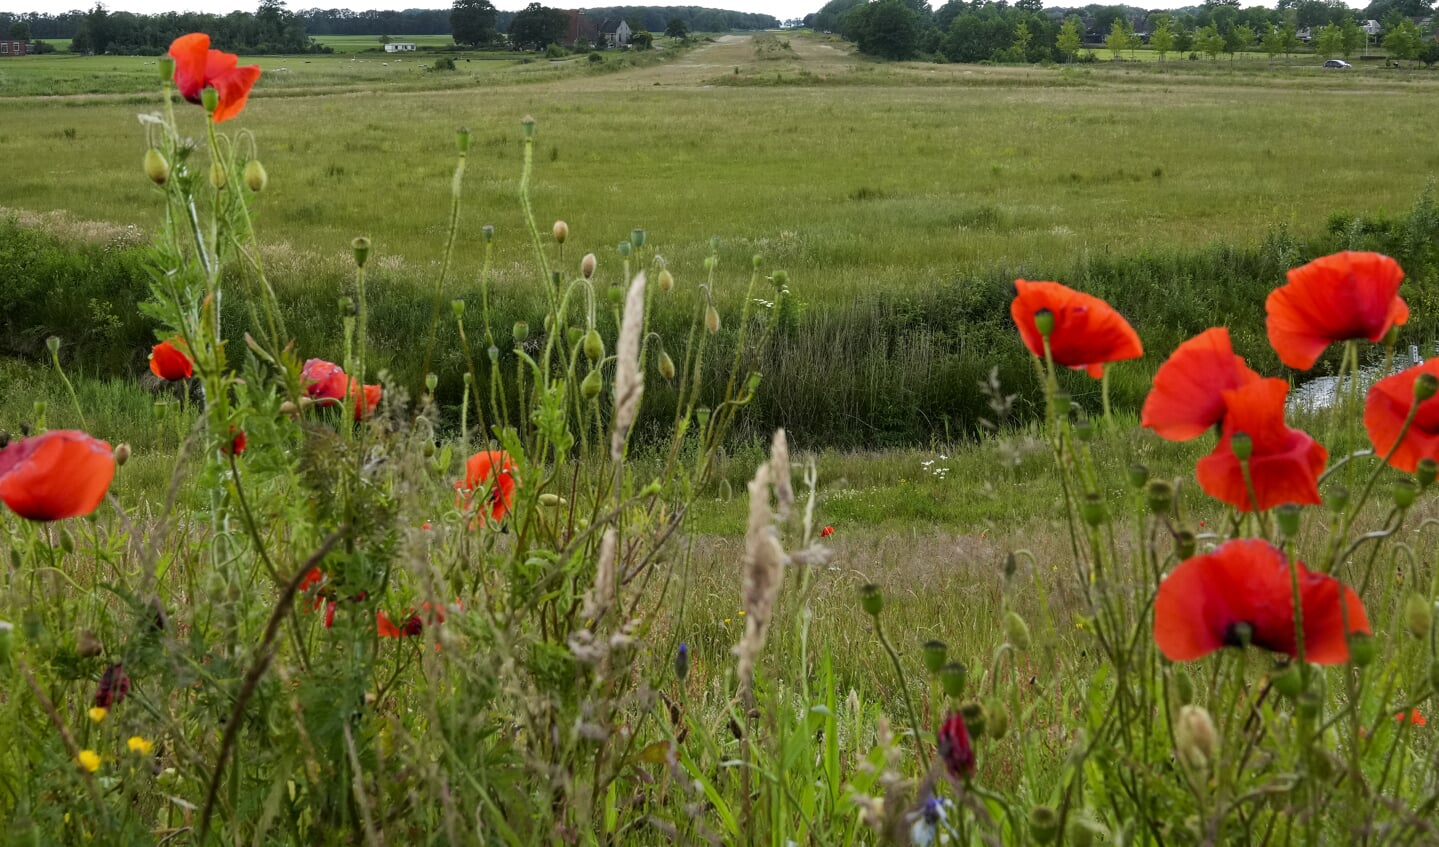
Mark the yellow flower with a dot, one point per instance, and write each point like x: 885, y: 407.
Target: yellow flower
x: 139, y: 745
x: 98, y: 713
x: 741, y: 612
x: 89, y: 760
x: 726, y: 620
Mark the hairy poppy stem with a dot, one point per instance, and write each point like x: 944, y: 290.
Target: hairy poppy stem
x: 903, y: 690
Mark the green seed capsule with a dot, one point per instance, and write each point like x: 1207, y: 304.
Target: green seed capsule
x: 594, y: 346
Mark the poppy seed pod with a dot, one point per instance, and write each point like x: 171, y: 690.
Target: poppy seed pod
x: 1043, y: 824
x: 218, y: 178
x: 53, y: 344
x: 757, y: 261
x: 1195, y: 738
x: 592, y: 384
x: 1418, y: 615
x: 594, y: 345
x: 1084, y: 429
x: 1044, y: 321
x: 458, y: 307
x: 1405, y: 490
x: 637, y: 237
x: 1362, y: 649
x: 667, y: 366
x: 871, y: 600
x: 998, y: 718
x: 166, y: 67
x: 952, y: 678
x: 520, y: 331
x: 360, y: 246
x: 1242, y: 446
x: 1185, y: 543
x: 1011, y: 565
x: 1017, y: 631
x: 87, y: 646
x: 462, y: 140
x: 779, y: 278
x: 615, y: 294
x: 1160, y: 496
x: 1288, y: 517
x: 255, y: 176
x: 1138, y: 475
x: 431, y: 380
x: 527, y: 126
x: 1426, y: 471
x: 209, y: 99
x: 573, y: 334
x: 712, y: 320
x: 1092, y: 510
x: 561, y: 231
x: 587, y: 265
x: 1425, y: 386
x: 1338, y: 499
x: 667, y: 281
x: 487, y: 232
x: 1183, y: 687
x: 974, y: 717
x: 624, y: 248
x: 156, y: 168
x: 933, y: 655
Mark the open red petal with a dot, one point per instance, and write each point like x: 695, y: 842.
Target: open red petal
x: 61, y: 474
x: 384, y: 626
x: 489, y: 471
x: 1335, y: 298
x: 1188, y: 394
x: 233, y: 87
x: 1285, y: 463
x: 190, y: 53
x: 1088, y: 332
x: 324, y: 380
x: 1385, y: 409
x: 367, y: 398
x: 169, y: 363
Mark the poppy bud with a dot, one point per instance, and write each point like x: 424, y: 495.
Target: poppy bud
x: 561, y: 231
x: 1242, y: 445
x: 667, y: 280
x: 1425, y: 386
x: 637, y: 237
x: 871, y: 600
x: 592, y: 384
x: 209, y: 99
x: 587, y: 265
x: 574, y: 334
x: 1091, y: 509
x: 1289, y: 680
x: 1044, y: 322
x: 615, y: 294
x: 520, y: 331
x: 1362, y: 649
x: 1418, y: 615
x: 87, y: 646
x: 1427, y: 470
x: 255, y: 177
x: 122, y: 454
x: 1183, y: 687
x: 1288, y: 515
x: 428, y: 451
x: 757, y: 261
x: 726, y: 491
x: 974, y: 717
x: 431, y: 380
x: 1043, y: 824
x: 361, y: 248
x: 1084, y: 429
x: 1011, y: 566
x: 709, y: 263
x: 998, y: 718
x: 779, y: 278
x: 156, y: 168
x: 548, y: 499
x: 1017, y: 631
x: 166, y: 68
x: 488, y: 232
x: 712, y: 320
x: 218, y: 178
x: 952, y: 678
x: 594, y: 345
x: 667, y: 366
x: 1185, y: 543
x: 1338, y: 499
x: 1138, y: 475
x: 53, y: 344
x: 682, y: 662
x: 624, y: 248
x: 1405, y: 490
x: 1195, y: 737
x: 933, y: 655
x: 305, y: 403
x: 67, y: 541
x: 527, y: 126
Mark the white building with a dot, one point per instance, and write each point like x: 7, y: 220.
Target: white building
x: 400, y: 47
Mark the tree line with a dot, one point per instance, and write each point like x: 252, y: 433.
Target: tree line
x: 998, y: 31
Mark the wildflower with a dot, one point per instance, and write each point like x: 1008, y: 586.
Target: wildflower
x: 1085, y: 331
x: 139, y: 745
x: 1241, y: 595
x: 97, y: 713
x: 367, y: 397
x: 170, y: 363
x: 89, y: 760
x: 926, y: 820
x: 491, y: 472
x: 114, y: 685
x: 60, y: 474
x: 1188, y: 393
x: 1196, y: 738
x: 235, y: 444
x: 412, y: 626
x: 1414, y: 717
x: 1387, y: 407
x: 197, y: 67
x: 1336, y: 298
x: 955, y: 748
x: 324, y: 381
x: 1284, y: 464
x: 826, y: 532
x: 313, y: 578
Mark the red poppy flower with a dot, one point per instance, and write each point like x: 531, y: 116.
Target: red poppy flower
x: 491, y: 471
x: 1207, y: 602
x: 197, y: 67
x: 324, y: 381
x: 61, y: 474
x: 113, y: 687
x: 1087, y: 331
x: 826, y: 532
x: 330, y: 614
x: 1188, y: 393
x: 1337, y: 298
x: 313, y: 578
x: 1284, y: 463
x: 367, y: 397
x: 235, y: 445
x: 1414, y: 717
x: 955, y: 748
x: 170, y: 363
x: 384, y: 626
x: 1386, y: 408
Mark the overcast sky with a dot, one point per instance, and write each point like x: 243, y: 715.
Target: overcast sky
x: 779, y: 8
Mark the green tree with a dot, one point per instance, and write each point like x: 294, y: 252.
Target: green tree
x: 537, y: 27
x: 1021, y: 37
x: 1403, y: 40
x: 1289, y: 40
x: 1273, y: 41
x: 1183, y: 39
x: 888, y: 29
x: 1241, y: 37
x: 677, y: 28
x: 1162, y: 39
x: 20, y: 30
x: 1069, y: 42
x: 1209, y: 42
x: 642, y: 39
x: 472, y: 22
x: 1117, y: 41
x: 1329, y: 41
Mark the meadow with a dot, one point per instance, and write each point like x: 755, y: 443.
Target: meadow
x: 900, y: 202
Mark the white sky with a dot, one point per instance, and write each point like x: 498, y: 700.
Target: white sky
x: 779, y: 8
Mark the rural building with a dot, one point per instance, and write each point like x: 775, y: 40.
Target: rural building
x: 615, y: 32
x: 400, y: 47
x: 580, y: 28
x: 11, y: 47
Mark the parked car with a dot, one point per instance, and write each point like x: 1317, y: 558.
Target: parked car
x: 1337, y: 63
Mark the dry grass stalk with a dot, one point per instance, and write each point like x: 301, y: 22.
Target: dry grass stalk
x: 779, y: 470
x: 602, y: 593
x: 763, y: 576
x: 629, y: 382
